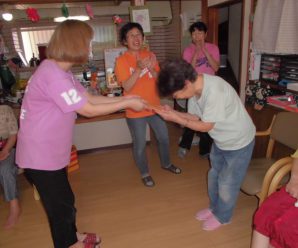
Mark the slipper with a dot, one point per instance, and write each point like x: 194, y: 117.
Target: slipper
x: 148, y: 181
x: 91, y: 238
x: 172, y: 168
x: 204, y: 214
x: 211, y: 224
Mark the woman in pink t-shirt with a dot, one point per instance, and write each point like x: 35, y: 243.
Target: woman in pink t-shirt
x: 204, y: 57
x: 48, y: 113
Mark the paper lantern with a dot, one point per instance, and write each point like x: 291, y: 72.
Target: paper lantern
x: 32, y: 14
x: 117, y: 19
x: 64, y: 11
x: 89, y: 11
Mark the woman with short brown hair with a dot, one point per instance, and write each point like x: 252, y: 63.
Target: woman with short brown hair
x: 52, y: 99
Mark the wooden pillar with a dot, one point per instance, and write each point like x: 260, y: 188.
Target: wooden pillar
x: 210, y: 18
x: 212, y: 25
x: 204, y: 11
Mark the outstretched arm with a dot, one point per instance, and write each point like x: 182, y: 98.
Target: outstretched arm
x: 91, y: 110
x: 259, y: 240
x: 184, y: 119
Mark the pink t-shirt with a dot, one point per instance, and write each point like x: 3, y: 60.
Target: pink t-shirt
x: 202, y: 65
x: 47, y: 118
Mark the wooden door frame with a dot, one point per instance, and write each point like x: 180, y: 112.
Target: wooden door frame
x: 210, y: 16
x: 212, y: 23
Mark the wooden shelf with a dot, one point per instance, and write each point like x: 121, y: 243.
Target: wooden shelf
x: 277, y: 87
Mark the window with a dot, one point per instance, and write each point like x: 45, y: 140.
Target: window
x: 104, y: 37
x: 27, y: 39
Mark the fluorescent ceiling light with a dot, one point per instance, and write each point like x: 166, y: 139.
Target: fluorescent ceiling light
x: 7, y: 16
x: 80, y: 18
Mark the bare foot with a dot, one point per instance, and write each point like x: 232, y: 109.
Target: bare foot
x: 79, y: 244
x: 81, y: 236
x: 14, y: 214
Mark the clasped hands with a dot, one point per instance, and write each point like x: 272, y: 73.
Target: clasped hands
x: 200, y: 46
x: 148, y: 62
x: 137, y: 103
x: 166, y: 112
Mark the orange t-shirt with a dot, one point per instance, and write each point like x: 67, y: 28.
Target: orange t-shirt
x: 145, y: 85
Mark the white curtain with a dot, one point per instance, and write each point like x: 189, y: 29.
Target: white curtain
x: 275, y: 27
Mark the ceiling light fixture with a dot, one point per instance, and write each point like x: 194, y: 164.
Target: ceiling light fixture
x: 80, y: 18
x: 6, y: 14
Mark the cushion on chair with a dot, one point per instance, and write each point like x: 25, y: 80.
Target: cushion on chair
x: 252, y: 183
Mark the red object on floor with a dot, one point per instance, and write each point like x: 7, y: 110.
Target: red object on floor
x: 74, y: 162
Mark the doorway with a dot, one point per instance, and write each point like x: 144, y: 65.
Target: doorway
x: 226, y: 22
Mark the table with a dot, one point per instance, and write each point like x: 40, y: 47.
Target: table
x: 102, y: 131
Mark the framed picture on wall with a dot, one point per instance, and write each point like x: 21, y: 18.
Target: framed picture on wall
x: 140, y: 14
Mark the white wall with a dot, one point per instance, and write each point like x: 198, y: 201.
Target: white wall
x: 190, y: 13
x: 234, y: 37
x: 245, y: 47
x: 223, y: 15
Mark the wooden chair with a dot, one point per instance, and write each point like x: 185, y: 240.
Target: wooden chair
x: 261, y: 171
x: 279, y: 177
x: 276, y: 182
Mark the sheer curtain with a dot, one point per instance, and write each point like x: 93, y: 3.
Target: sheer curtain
x: 275, y: 27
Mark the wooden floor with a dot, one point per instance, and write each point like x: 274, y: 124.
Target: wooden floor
x: 112, y: 201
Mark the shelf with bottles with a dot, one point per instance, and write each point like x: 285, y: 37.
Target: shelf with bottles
x: 34, y: 61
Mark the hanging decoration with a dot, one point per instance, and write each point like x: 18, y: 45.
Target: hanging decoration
x: 117, y: 19
x: 64, y: 11
x: 32, y: 14
x: 89, y: 11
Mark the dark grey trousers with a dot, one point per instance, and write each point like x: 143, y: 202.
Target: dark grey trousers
x: 8, y: 177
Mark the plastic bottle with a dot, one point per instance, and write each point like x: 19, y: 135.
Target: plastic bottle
x: 33, y: 61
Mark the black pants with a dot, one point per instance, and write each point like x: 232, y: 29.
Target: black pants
x: 205, y: 141
x: 58, y: 200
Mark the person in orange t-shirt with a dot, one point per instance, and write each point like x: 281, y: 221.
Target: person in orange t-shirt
x: 136, y: 71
